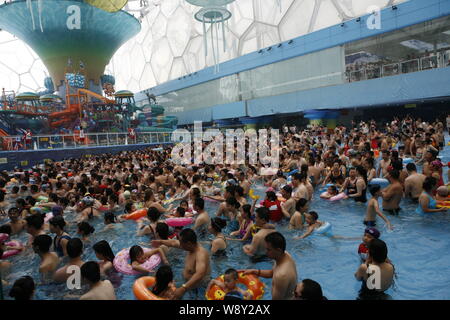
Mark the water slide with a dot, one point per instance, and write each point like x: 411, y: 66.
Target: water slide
x: 95, y: 95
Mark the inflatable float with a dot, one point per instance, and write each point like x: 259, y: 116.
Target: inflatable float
x: 179, y: 222
x: 122, y: 259
x: 254, y: 286
x: 141, y: 291
x: 136, y: 215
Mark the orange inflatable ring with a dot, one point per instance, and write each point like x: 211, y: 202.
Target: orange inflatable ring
x: 141, y: 291
x: 136, y: 214
x: 252, y: 282
x: 281, y: 199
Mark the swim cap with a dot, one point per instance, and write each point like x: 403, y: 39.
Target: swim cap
x: 127, y: 194
x: 373, y: 232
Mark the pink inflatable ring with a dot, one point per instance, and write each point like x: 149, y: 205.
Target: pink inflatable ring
x: 179, y: 222
x: 10, y: 253
x: 122, y: 262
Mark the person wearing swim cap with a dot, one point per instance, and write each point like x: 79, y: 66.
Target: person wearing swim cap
x: 369, y: 234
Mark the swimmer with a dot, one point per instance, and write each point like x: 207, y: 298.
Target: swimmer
x: 110, y: 221
x: 427, y: 204
x: 23, y: 289
x: 164, y: 284
x: 49, y: 260
x: 197, y: 268
x: 98, y: 289
x: 392, y: 194
x: 257, y: 246
x: 332, y: 191
x: 284, y: 272
x: 309, y: 290
x: 287, y: 207
x: 442, y: 193
x: 138, y: 257
x: 369, y: 234
x: 373, y: 208
x: 57, y: 225
x: 413, y: 183
x: 74, y: 252
x: 219, y: 244
x: 298, y: 219
x: 34, y: 227
x: 378, y: 258
x: 244, y: 233
x: 104, y: 253
x: 229, y: 284
x: 84, y: 229
x: 313, y: 224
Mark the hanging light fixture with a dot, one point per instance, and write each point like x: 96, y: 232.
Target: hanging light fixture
x: 215, y: 13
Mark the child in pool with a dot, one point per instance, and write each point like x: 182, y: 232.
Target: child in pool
x: 208, y: 189
x: 369, y: 235
x: 164, y: 285
x: 373, y: 208
x: 5, y: 233
x: 244, y: 232
x: 138, y: 257
x: 230, y: 284
x: 331, y: 192
x: 313, y: 224
x: 442, y: 193
x: 110, y: 220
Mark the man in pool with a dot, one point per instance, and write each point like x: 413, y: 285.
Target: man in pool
x: 287, y: 207
x: 74, y: 251
x: 34, y: 227
x: 197, y: 268
x: 98, y: 289
x: 17, y: 224
x: 49, y: 260
x: 413, y: 183
x: 284, y: 272
x: 257, y: 247
x: 392, y: 195
x: 202, y: 220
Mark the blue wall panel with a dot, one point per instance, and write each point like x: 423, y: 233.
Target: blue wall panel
x: 229, y: 110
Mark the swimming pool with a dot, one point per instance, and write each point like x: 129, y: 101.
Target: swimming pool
x: 418, y: 247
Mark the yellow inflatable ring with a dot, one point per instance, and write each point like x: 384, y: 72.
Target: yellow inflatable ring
x: 252, y: 195
x: 252, y: 282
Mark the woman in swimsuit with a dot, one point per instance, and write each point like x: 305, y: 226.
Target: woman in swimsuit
x: 62, y: 238
x: 219, y: 244
x: 427, y: 204
x: 246, y: 224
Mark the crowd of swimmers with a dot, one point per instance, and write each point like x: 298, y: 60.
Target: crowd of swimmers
x: 110, y: 187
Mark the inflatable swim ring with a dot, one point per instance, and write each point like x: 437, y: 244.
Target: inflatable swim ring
x: 325, y: 228
x: 138, y: 214
x: 179, y: 222
x: 141, y: 291
x: 382, y: 182
x: 3, y: 238
x: 407, y: 160
x: 122, y: 259
x: 252, y: 282
x: 253, y: 195
x: 340, y: 196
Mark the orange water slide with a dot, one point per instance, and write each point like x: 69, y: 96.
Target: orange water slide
x: 95, y: 95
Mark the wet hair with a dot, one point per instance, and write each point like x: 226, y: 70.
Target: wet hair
x: 378, y: 250
x: 85, y: 228
x: 22, y: 289
x: 233, y: 202
x: 102, y: 247
x: 43, y: 242
x: 74, y: 248
x: 109, y: 217
x: 262, y: 213
x: 312, y: 290
x: 91, y: 271
x: 300, y: 204
x: 36, y: 221
x: 153, y: 214
x: 164, y: 276
x: 314, y: 214
x: 397, y: 164
x: 162, y: 229
x: 218, y: 224
x: 276, y: 240
x: 6, y: 228
x: 233, y: 273
x: 200, y: 203
x: 271, y: 196
x: 188, y: 235
x: 394, y: 174
x: 181, y: 211
x: 246, y: 208
x: 184, y: 202
x: 134, y: 252
x: 58, y: 221
x: 374, y: 188
x: 411, y: 167
x: 429, y: 183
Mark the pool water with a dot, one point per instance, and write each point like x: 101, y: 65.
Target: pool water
x: 418, y: 247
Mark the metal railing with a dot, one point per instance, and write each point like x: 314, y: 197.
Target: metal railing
x: 63, y: 141
x: 386, y: 70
